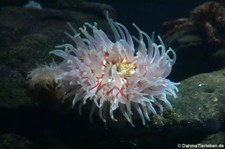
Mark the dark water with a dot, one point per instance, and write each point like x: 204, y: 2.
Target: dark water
x: 150, y: 14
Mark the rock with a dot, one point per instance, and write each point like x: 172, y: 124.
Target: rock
x: 27, y: 35
x: 201, y: 98
x: 83, y: 6
x: 215, y: 139
x: 14, y: 141
x: 198, y: 40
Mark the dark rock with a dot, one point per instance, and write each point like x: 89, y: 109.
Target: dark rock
x: 215, y: 139
x: 201, y: 99
x: 27, y: 35
x: 83, y: 6
x: 14, y: 141
x: 198, y: 40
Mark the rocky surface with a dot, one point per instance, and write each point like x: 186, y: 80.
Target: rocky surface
x: 201, y: 98
x: 14, y: 141
x: 27, y: 35
x: 198, y: 40
x: 83, y: 6
x: 217, y: 139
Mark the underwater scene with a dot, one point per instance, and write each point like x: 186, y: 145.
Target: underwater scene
x: 116, y: 74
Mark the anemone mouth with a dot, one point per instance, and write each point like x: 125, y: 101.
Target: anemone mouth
x: 124, y: 68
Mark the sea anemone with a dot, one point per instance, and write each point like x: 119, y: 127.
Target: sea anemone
x: 44, y: 76
x: 114, y: 75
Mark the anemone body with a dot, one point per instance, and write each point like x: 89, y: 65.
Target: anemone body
x: 114, y: 75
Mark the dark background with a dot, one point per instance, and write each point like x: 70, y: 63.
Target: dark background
x: 150, y: 14
x: 147, y: 14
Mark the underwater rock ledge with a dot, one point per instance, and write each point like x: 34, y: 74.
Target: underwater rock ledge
x: 201, y: 98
